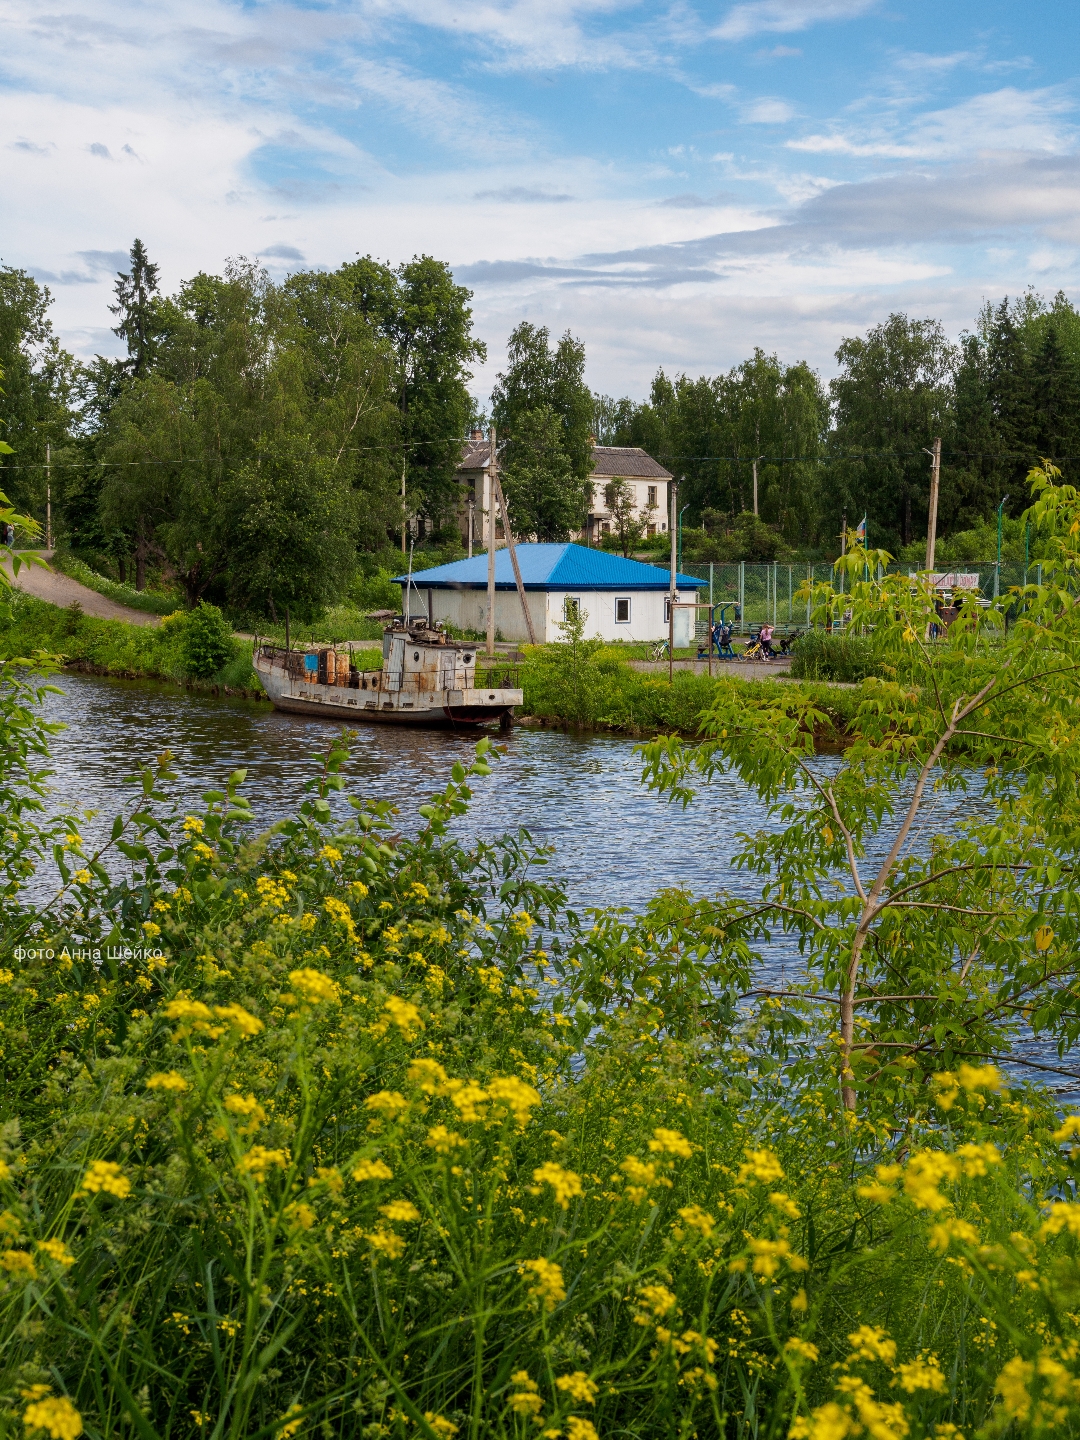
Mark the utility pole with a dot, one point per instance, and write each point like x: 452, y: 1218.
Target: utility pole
x: 404, y: 517
x: 492, y: 481
x: 48, y: 496
x: 753, y: 466
x: 509, y: 534
x: 935, y: 484
x: 997, y: 567
x: 472, y: 510
x: 673, y: 494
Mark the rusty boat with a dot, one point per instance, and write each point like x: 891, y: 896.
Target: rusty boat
x: 426, y: 679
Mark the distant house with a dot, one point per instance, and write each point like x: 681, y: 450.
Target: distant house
x: 647, y: 480
x: 623, y: 599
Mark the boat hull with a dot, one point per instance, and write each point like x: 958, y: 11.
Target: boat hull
x: 438, y: 709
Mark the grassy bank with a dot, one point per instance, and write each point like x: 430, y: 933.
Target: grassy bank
x: 113, y: 647
x: 591, y: 687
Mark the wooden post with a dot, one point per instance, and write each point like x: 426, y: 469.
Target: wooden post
x: 491, y: 545
x: 404, y: 517
x: 48, y: 496
x: 935, y: 486
x: 514, y: 562
x: 754, y: 468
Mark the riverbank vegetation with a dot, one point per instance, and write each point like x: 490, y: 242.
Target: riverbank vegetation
x: 322, y: 1129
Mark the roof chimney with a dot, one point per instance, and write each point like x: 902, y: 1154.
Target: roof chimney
x: 476, y: 435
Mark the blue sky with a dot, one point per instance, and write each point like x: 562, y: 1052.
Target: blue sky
x: 676, y: 183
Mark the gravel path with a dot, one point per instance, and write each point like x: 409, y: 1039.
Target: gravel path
x: 61, y: 590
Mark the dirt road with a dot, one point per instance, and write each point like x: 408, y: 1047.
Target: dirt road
x: 61, y: 590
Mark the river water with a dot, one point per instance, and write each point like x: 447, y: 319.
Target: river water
x: 615, y: 842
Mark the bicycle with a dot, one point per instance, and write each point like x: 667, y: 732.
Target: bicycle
x: 754, y: 652
x: 659, y: 650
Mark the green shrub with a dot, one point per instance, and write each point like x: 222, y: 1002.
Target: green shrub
x: 817, y: 655
x: 204, y: 639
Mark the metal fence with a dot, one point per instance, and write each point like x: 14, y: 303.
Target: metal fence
x: 767, y: 593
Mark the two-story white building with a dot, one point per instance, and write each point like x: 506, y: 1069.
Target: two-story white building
x: 648, y: 483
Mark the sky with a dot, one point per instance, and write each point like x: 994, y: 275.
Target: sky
x: 675, y: 183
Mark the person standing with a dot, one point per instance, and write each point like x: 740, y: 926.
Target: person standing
x: 765, y: 638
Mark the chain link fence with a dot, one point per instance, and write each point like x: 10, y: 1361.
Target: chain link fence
x: 747, y: 594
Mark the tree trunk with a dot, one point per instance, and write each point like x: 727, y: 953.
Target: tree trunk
x: 140, y: 561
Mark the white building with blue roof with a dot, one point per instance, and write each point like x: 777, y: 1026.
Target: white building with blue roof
x: 623, y: 599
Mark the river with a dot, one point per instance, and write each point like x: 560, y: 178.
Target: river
x: 615, y: 842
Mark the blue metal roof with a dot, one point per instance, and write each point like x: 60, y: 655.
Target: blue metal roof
x: 551, y: 567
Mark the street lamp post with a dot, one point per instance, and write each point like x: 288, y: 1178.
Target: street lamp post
x: 682, y: 512
x: 997, y: 567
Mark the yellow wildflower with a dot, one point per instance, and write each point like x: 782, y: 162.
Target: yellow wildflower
x: 697, y: 1219
x: 656, y: 1299
x: 372, y: 1170
x: 404, y: 1015
x: 444, y: 1429
x: 167, y: 1080
x: 565, y: 1183
x: 19, y: 1264
x: 870, y: 1342
x: 579, y: 1387
x: 387, y: 1103
x: 330, y: 853
x: 761, y: 1166
x: 1070, y: 1127
x: 56, y: 1415
x: 82, y: 877
x: 830, y: 1421
x: 105, y: 1177
x: 801, y: 1348
x: 300, y: 1214
x: 923, y: 1374
x: 57, y: 1251
x: 403, y: 1211
x: 259, y: 1161
x: 579, y: 1429
x: 290, y: 1427
x: 1062, y: 1215
x: 193, y: 825
x: 314, y: 987
x: 429, y: 1075
x: 785, y: 1204
x: 670, y: 1142
x: 547, y: 1285
x: 768, y: 1255
x: 948, y: 1230
x: 388, y: 1242
x: 444, y: 1141
x: 518, y: 1097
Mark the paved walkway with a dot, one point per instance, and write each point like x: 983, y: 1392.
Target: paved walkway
x: 61, y: 590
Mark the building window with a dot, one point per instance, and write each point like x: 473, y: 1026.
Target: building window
x: 571, y: 607
x: 622, y: 610
x: 607, y: 527
x: 651, y: 531
x: 652, y: 497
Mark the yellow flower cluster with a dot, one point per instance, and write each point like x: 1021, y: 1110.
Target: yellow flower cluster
x: 372, y: 1170
x: 444, y: 1429
x: 926, y: 1171
x: 272, y: 892
x: 167, y: 1080
x: 506, y: 1093
x: 579, y: 1387
x: 19, y: 1264
x: 330, y: 853
x: 198, y: 1018
x: 760, y: 1167
x: 547, y: 1281
x: 526, y: 1400
x: 767, y: 1256
x: 105, y: 1177
x: 1059, y: 1390
x: 565, y: 1183
x: 339, y: 911
x: 698, y: 1219
x: 56, y: 1251
x: 654, y: 1300
x: 55, y: 1414
x: 670, y: 1142
x: 246, y: 1105
x: 969, y: 1078
x: 314, y: 987
x: 257, y: 1162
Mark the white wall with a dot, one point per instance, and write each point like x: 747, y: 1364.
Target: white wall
x: 467, y: 610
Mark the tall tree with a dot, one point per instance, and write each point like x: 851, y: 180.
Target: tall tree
x: 427, y: 319
x: 893, y: 396
x: 545, y: 412
x: 138, y: 310
x: 36, y: 408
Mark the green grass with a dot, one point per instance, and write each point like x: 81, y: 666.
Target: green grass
x: 153, y: 602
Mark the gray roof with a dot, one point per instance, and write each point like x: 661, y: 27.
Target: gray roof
x: 628, y: 461
x: 608, y: 461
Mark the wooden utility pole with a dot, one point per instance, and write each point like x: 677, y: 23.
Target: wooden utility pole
x: 673, y: 493
x: 404, y: 517
x: 935, y: 485
x: 492, y: 480
x: 754, y: 468
x: 48, y: 496
x: 508, y: 533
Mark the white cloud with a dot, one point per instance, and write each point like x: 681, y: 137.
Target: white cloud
x: 768, y: 111
x: 783, y: 16
x: 1009, y: 119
